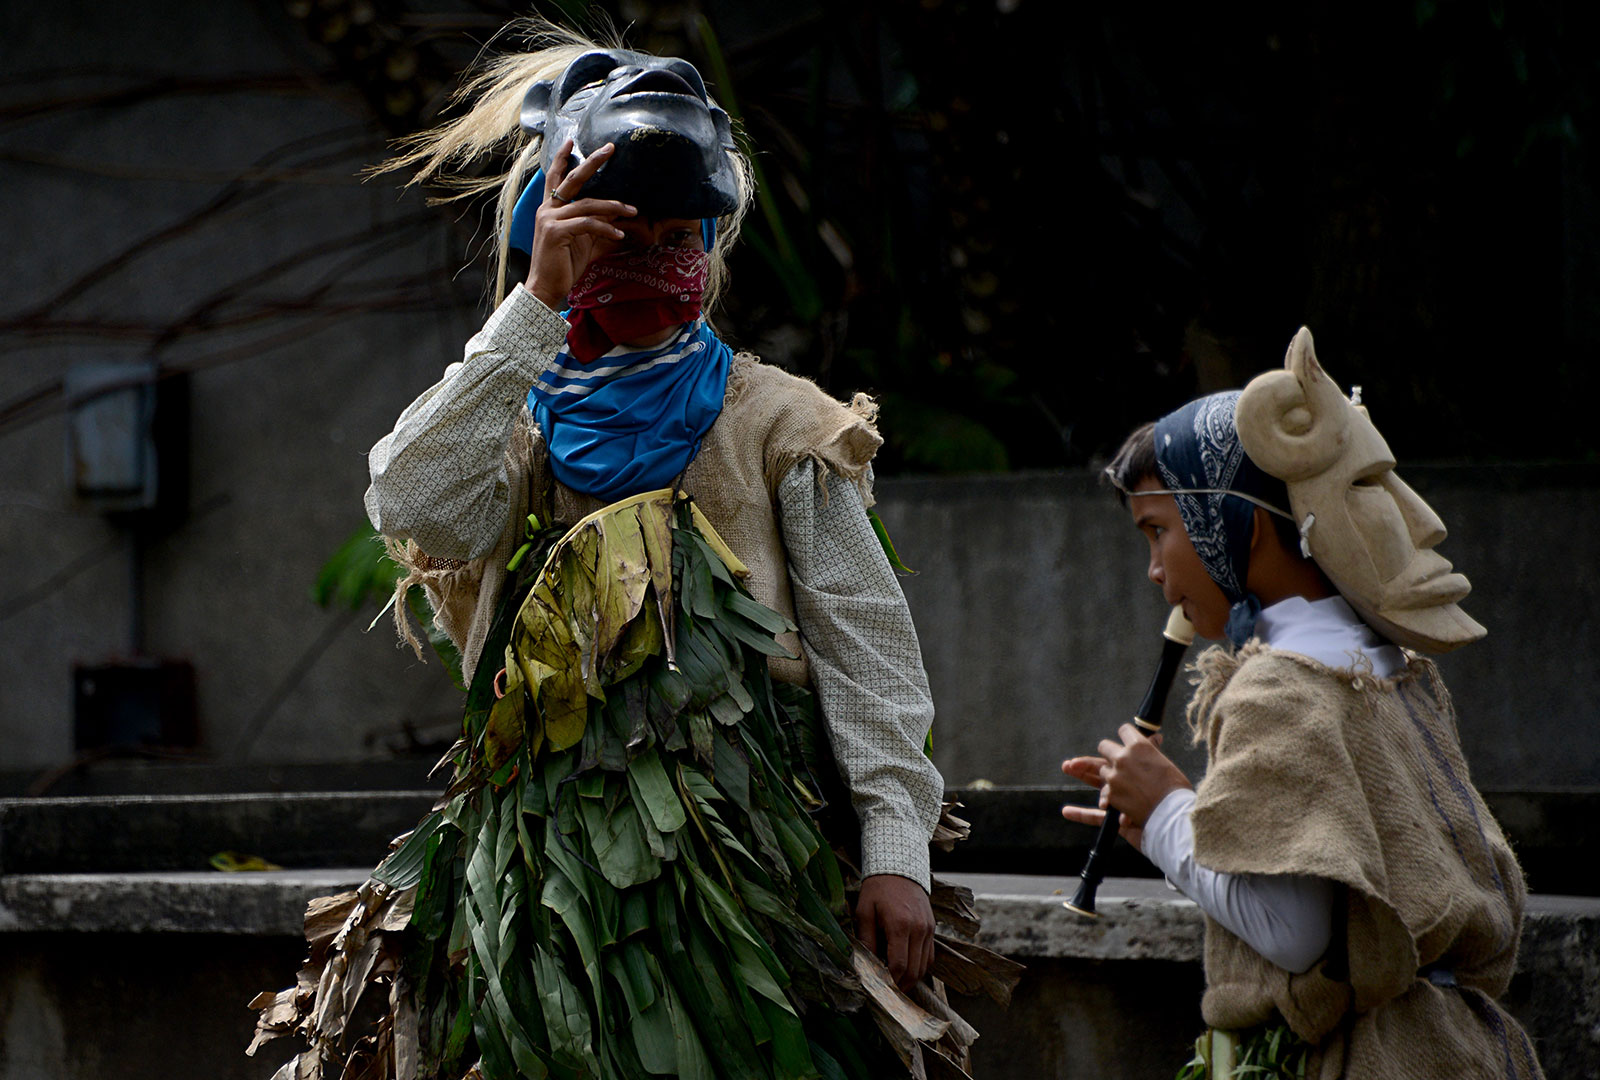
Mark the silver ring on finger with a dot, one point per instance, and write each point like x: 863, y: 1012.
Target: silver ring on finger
x: 558, y: 198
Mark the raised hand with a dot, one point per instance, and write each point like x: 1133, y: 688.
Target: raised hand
x: 568, y: 232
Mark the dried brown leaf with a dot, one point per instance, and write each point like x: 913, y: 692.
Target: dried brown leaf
x: 884, y: 996
x: 950, y: 829
x: 325, y: 915
x: 449, y: 756
x: 952, y: 906
x: 403, y: 1007
x: 972, y: 969
x: 959, y: 1035
x: 396, y: 914
x: 279, y: 1014
x: 324, y: 1019
x: 356, y: 976
x: 263, y: 1036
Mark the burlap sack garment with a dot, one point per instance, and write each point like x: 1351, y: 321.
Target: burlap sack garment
x: 1360, y: 780
x: 770, y: 421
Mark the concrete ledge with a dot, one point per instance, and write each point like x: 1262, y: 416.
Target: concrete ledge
x: 1140, y: 919
x: 181, y: 832
x: 1124, y: 987
x: 189, y: 902
x: 1023, y: 916
x: 1011, y: 828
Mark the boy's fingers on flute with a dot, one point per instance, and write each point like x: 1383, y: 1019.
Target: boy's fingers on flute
x: 1084, y: 815
x: 1087, y: 769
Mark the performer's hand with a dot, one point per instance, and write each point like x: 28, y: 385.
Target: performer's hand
x: 1133, y: 775
x: 568, y: 232
x: 895, y: 921
x: 1088, y: 770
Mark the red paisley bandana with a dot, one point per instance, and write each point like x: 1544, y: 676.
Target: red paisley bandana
x: 631, y: 295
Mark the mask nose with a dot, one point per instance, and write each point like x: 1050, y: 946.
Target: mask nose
x: 1426, y: 528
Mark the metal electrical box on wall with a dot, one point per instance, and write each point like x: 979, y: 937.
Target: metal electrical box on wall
x: 111, y: 445
x: 127, y: 437
x: 127, y: 458
x: 134, y: 703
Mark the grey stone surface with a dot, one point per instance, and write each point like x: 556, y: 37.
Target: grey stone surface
x: 182, y: 832
x: 256, y: 904
x: 1121, y: 992
x: 1139, y: 919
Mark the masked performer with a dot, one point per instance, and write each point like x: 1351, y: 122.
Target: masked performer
x: 1363, y: 907
x: 626, y: 878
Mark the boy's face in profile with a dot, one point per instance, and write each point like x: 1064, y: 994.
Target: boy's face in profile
x: 1174, y: 564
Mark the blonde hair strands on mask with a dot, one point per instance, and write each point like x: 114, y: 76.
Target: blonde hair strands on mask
x: 491, y: 127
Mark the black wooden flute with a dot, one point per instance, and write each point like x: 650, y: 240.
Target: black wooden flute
x: 1177, y: 636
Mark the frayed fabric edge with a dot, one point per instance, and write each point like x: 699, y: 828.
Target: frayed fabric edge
x: 420, y: 569
x: 1214, y: 668
x: 829, y: 464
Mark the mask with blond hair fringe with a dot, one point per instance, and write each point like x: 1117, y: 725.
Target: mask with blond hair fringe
x: 677, y: 154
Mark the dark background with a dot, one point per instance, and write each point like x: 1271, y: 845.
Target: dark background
x: 1026, y: 225
x: 1030, y: 226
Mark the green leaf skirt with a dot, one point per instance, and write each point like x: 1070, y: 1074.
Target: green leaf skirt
x: 626, y: 878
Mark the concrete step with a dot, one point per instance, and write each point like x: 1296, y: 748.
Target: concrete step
x: 1011, y: 828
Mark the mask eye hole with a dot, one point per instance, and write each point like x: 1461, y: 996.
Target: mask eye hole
x: 586, y: 71
x: 1372, y: 482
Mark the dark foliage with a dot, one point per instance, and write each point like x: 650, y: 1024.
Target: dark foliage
x: 1030, y: 226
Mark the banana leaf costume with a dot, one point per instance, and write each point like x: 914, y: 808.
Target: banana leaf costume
x: 626, y: 878
x: 633, y: 872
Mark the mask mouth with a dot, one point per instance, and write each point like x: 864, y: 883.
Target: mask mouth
x: 656, y: 81
x: 1430, y: 581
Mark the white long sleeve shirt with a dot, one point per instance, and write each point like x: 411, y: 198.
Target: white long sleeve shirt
x: 1286, y: 918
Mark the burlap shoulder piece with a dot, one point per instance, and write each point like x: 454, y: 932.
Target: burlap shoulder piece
x: 1298, y: 780
x: 795, y: 419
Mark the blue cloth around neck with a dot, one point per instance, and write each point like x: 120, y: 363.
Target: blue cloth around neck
x: 1242, y: 616
x: 528, y: 205
x: 632, y: 421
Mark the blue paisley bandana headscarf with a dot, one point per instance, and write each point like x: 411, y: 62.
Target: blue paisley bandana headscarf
x: 1217, y: 488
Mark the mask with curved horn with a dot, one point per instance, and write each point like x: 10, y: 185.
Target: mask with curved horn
x: 1365, y: 528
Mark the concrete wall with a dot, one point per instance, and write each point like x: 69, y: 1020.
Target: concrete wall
x: 244, y: 167
x: 146, y: 975
x: 137, y: 1006
x: 1041, y: 632
x: 1038, y: 628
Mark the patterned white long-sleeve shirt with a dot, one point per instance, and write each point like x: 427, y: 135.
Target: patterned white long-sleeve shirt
x: 439, y: 478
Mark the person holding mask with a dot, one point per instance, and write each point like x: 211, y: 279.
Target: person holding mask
x: 598, y: 378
